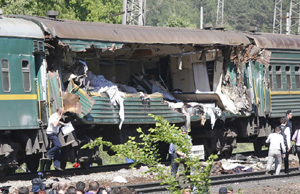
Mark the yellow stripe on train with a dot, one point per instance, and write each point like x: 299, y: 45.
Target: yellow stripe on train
x: 285, y: 92
x: 18, y: 97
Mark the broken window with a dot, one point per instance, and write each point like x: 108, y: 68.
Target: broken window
x: 5, y: 75
x: 26, y: 76
x: 278, y: 77
x: 297, y: 76
x: 288, y: 77
x: 271, y: 77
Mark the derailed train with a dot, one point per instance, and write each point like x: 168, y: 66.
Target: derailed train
x: 224, y: 86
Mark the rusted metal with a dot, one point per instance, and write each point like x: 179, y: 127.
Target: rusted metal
x: 276, y: 41
x: 66, y: 29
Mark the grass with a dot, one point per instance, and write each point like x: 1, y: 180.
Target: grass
x: 243, y: 147
x: 246, y: 147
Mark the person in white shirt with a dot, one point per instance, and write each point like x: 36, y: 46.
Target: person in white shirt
x: 276, y: 149
x: 286, y: 133
x: 52, y: 133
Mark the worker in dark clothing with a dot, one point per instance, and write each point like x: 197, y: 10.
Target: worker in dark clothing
x: 286, y: 133
x: 52, y: 133
x: 288, y: 117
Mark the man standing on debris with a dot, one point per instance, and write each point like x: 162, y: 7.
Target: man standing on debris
x: 52, y: 133
x: 276, y: 148
x: 286, y: 133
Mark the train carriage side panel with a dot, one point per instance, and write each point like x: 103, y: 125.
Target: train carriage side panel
x: 284, y: 77
x: 18, y: 92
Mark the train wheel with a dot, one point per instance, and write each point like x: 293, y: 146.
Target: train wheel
x: 258, y: 144
x: 227, y: 153
x: 63, y: 164
x: 7, y: 171
x: 85, y: 165
x: 32, y: 162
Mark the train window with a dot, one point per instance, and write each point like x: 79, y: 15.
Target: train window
x: 271, y: 77
x: 297, y: 76
x: 26, y: 76
x: 5, y: 75
x: 278, y: 77
x: 288, y: 77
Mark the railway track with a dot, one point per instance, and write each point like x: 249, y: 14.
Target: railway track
x: 154, y: 187
x: 220, y: 180
x: 80, y: 171
x: 65, y: 173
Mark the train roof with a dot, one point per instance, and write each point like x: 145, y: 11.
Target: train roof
x: 19, y: 28
x: 276, y: 41
x: 69, y: 29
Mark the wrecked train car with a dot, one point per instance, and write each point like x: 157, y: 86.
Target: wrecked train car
x: 123, y: 73
x: 223, y: 86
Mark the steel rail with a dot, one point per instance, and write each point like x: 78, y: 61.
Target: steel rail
x: 218, y: 180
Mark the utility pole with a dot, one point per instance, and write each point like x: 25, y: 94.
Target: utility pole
x: 293, y: 23
x: 277, y: 20
x: 201, y: 15
x: 220, y: 11
x: 134, y: 12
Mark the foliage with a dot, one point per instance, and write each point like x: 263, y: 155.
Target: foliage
x: 238, y: 14
x: 145, y: 150
x: 84, y: 10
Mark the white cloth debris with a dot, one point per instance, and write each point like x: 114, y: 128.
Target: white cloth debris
x: 209, y: 109
x: 119, y: 179
x: 115, y: 97
x: 101, y: 84
x: 180, y: 105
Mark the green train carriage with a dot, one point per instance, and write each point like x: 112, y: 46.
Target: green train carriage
x: 36, y: 88
x: 21, y: 53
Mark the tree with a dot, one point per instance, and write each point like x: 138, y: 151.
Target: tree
x: 84, y: 10
x: 146, y: 152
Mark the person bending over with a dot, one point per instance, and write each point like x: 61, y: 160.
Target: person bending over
x: 52, y: 133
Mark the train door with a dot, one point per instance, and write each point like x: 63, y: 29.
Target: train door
x: 41, y: 85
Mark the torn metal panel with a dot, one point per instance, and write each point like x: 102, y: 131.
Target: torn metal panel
x: 54, y: 86
x: 85, y: 101
x: 79, y: 45
x: 116, y: 33
x: 238, y: 86
x: 137, y: 111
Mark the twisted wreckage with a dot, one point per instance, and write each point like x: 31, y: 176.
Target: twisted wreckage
x: 113, y: 76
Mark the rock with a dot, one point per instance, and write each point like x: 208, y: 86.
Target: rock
x: 119, y: 179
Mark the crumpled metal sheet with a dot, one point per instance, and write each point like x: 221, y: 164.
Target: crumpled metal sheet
x: 276, y: 41
x: 116, y: 33
x: 84, y: 99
